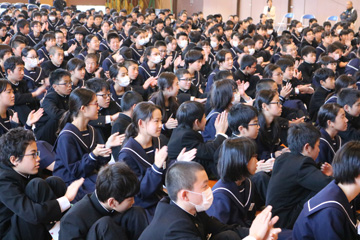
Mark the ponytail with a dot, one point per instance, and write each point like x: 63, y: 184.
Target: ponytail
x: 65, y: 118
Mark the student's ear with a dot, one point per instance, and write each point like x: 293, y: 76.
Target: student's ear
x: 140, y: 123
x: 347, y: 108
x: 321, y: 82
x: 13, y: 160
x: 264, y: 106
x: 240, y: 129
x: 307, y: 148
x: 8, y: 72
x: 182, y: 195
x: 111, y: 202
x: 196, y: 123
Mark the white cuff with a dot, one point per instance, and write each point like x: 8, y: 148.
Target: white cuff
x: 64, y: 203
x: 249, y: 238
x: 107, y: 119
x: 192, y: 98
x: 66, y: 53
x: 297, y: 91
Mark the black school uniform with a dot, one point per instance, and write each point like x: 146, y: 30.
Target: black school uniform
x: 106, y: 64
x: 328, y: 147
x: 32, y: 40
x: 307, y: 70
x: 49, y: 67
x: 55, y: 24
x: 43, y: 53
x: 34, y: 78
x: 6, y: 124
x: 54, y: 106
x: 151, y: 178
x: 317, y: 100
x: 210, y: 131
x: 146, y: 72
x: 252, y: 79
x: 321, y: 49
x: 117, y: 98
x: 353, y: 129
x: 187, y: 95
x: 74, y: 158
x: 328, y: 215
x: 136, y: 53
x: 119, y: 126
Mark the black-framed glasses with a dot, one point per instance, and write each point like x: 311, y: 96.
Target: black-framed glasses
x: 186, y: 79
x: 253, y: 124
x: 277, y: 103
x: 104, y: 95
x: 34, y: 155
x: 65, y: 84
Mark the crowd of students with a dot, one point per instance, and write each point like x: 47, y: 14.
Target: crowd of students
x: 116, y: 109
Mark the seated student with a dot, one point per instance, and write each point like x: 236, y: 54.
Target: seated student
x: 17, y: 45
x: 120, y: 82
x: 79, y: 34
x: 53, y: 21
x: 151, y: 67
x: 326, y: 77
x: 28, y: 205
x: 336, y: 52
x: 332, y: 120
x: 224, y: 62
x: 246, y: 73
x: 5, y: 53
x: 343, y: 81
x: 137, y: 47
x: 326, y: 40
x: 262, y: 56
x: 187, y: 90
x: 92, y: 68
x: 330, y: 214
x: 24, y: 100
x: 354, y: 64
x: 309, y: 66
x: 33, y: 74
x: 61, y: 43
x: 286, y: 47
x: 47, y: 42
x: 56, y: 61
x: 222, y: 95
x: 76, y: 67
x: 114, y: 44
x: 128, y: 103
x: 233, y: 193
x: 295, y: 177
x: 108, y: 112
x: 107, y: 213
x: 92, y: 44
x: 325, y: 62
x: 35, y: 36
x: 308, y: 39
x: 182, y: 215
x: 349, y: 99
x: 191, y: 120
x: 77, y: 150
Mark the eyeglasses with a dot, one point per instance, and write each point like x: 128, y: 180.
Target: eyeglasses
x: 186, y: 79
x: 34, y: 155
x: 253, y: 124
x: 277, y: 103
x: 32, y: 57
x: 95, y: 104
x: 104, y: 95
x: 65, y: 84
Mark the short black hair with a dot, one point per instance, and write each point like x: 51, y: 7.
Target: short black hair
x: 188, y: 112
x: 97, y: 84
x: 222, y: 74
x: 241, y: 115
x: 346, y: 163
x: 284, y: 63
x: 118, y: 181
x: 307, y: 50
x: 21, y: 24
x: 327, y: 112
x: 323, y: 73
x: 181, y: 72
x: 57, y: 75
x: 234, y: 156
x: 14, y: 143
x: 12, y: 62
x: 301, y: 134
x: 181, y: 175
x: 348, y: 97
x: 264, y: 84
x: 344, y: 81
x: 192, y: 56
x: 74, y: 64
x: 129, y: 99
x: 247, y: 61
x: 332, y: 48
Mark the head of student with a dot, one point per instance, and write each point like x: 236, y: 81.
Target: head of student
x: 248, y: 64
x: 243, y: 121
x: 349, y: 99
x: 332, y: 116
x: 222, y: 94
x: 191, y: 114
x: 188, y: 186
x: 129, y: 100
x: 18, y: 150
x: 14, y: 68
x: 308, y: 53
x: 102, y: 90
x: 304, y: 139
x: 116, y: 186
x: 77, y: 68
x: 7, y: 96
x: 60, y: 80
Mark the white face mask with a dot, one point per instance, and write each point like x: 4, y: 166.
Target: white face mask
x: 299, y: 29
x: 147, y: 39
x: 207, y: 197
x: 213, y: 44
x: 183, y: 44
x: 270, y: 31
x: 142, y: 41
x: 251, y: 51
x: 52, y: 18
x: 157, y: 59
x: 33, y: 62
x: 235, y: 43
x: 172, y: 20
x: 124, y: 81
x: 336, y: 56
x: 339, y: 31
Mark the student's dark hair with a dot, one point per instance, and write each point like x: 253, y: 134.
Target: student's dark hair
x: 195, y: 36
x: 17, y: 40
x: 234, y: 156
x: 307, y: 50
x: 306, y: 30
x: 325, y: 34
x: 4, y: 49
x: 241, y: 115
x: 323, y: 73
x: 192, y: 56
x: 114, y: 69
x: 3, y: 84
x: 165, y: 80
x: 92, y: 56
x: 332, y: 48
x: 56, y: 76
x: 344, y: 81
x: 181, y: 175
x: 220, y: 56
x: 264, y: 84
x: 268, y: 70
x: 159, y: 43
x: 12, y: 62
x: 301, y: 134
x: 223, y: 74
x: 346, y: 163
x: 129, y: 63
x: 88, y: 39
x: 129, y: 99
x: 327, y: 112
x: 284, y: 63
x: 143, y: 111
x: 258, y: 37
x: 34, y: 23
x: 325, y: 60
x: 188, y: 112
x: 47, y: 37
x: 180, y: 73
x: 14, y: 143
x: 79, y: 97
x: 74, y: 64
x: 148, y: 52
x: 348, y: 97
x: 221, y: 94
x: 97, y: 84
x: 247, y: 61
x: 118, y: 181
x: 178, y: 35
x: 26, y: 51
x: 21, y: 24
x: 326, y: 23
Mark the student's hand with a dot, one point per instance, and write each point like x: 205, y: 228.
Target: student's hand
x: 7, y: 40
x: 327, y: 169
x: 72, y: 48
x: 286, y: 90
x: 73, y: 188
x: 260, y: 60
x: 296, y: 121
x: 262, y: 226
x: 151, y: 81
x: 200, y: 100
x: 107, y: 74
x: 187, y: 156
x: 171, y: 123
x: 177, y: 61
x: 221, y: 123
x: 41, y: 61
x: 14, y: 118
x: 115, y: 140
x: 160, y: 156
x: 33, y: 116
x: 258, y: 74
x: 242, y: 87
x: 47, y: 82
x: 297, y: 74
x: 101, y: 150
x: 168, y: 61
x: 265, y: 166
x: 114, y: 117
x: 97, y: 73
x: 39, y: 91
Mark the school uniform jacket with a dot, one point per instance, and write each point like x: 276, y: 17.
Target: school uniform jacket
x: 43, y: 53
x: 6, y: 124
x: 294, y: 180
x: 233, y: 204
x: 328, y: 215
x: 171, y: 222
x: 32, y: 40
x: 13, y: 201
x: 252, y: 79
x: 136, y: 53
x: 210, y: 131
x: 353, y: 129
x: 328, y: 147
x: 101, y: 56
x: 307, y: 71
x: 151, y: 177
x: 74, y: 158
x: 352, y: 67
x: 34, y: 78
x: 145, y: 71
x: 210, y: 80
x: 317, y: 100
x: 119, y: 126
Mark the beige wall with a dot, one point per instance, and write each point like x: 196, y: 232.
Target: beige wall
x: 224, y: 7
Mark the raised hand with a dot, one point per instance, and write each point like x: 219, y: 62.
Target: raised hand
x: 33, y: 116
x: 187, y: 156
x: 160, y: 156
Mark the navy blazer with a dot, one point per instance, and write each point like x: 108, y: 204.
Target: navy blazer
x: 145, y: 73
x: 328, y: 215
x: 328, y: 147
